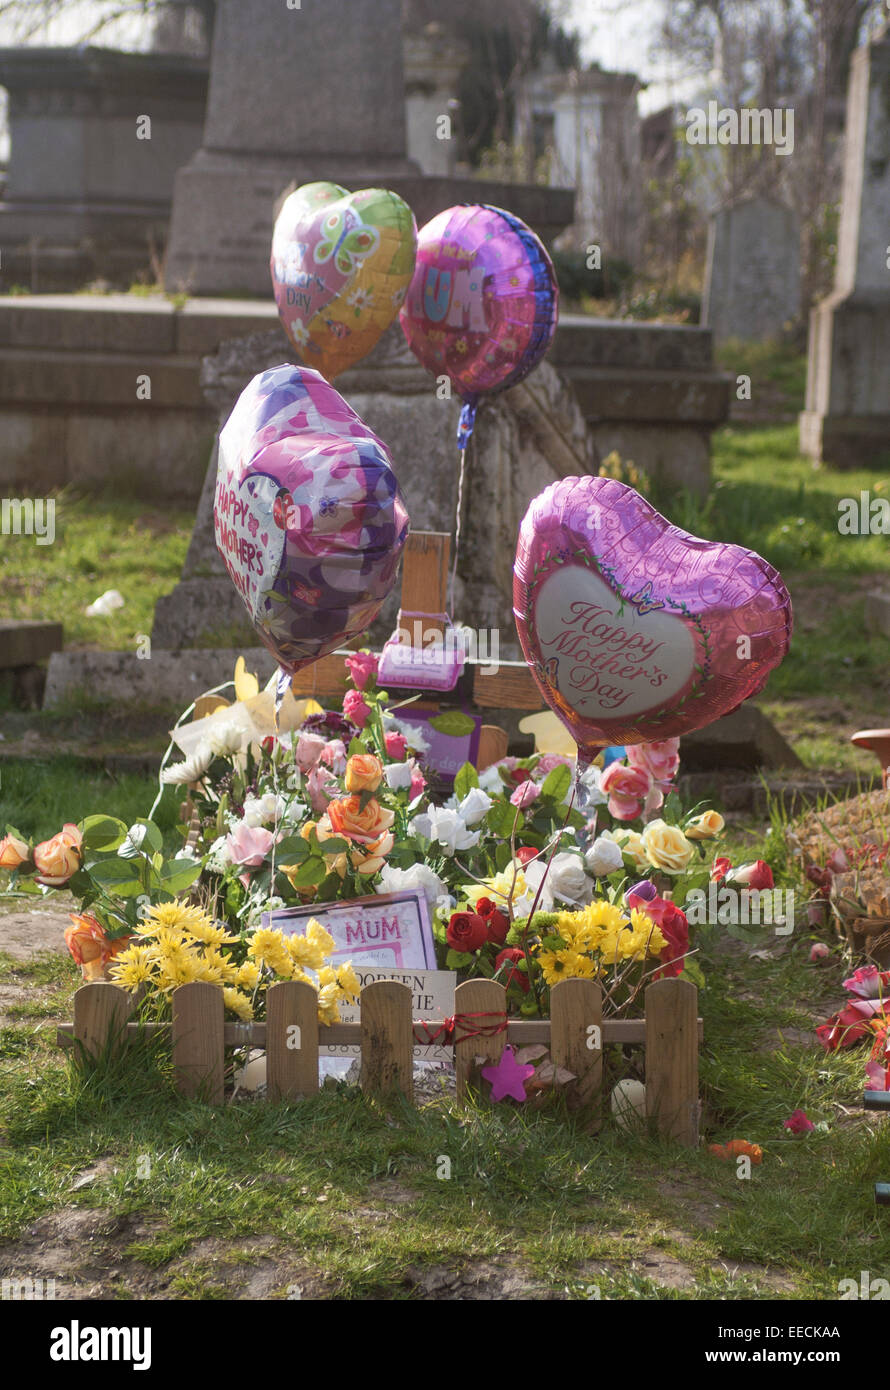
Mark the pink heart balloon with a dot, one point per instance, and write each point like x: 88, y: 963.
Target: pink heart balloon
x: 635, y: 630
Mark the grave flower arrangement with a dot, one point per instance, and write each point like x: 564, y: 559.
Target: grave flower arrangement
x: 338, y: 807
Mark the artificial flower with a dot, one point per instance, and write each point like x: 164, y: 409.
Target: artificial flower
x: 513, y: 955
x: 362, y: 667
x: 419, y: 875
x: 661, y: 760
x: 706, y: 826
x: 192, y: 768
x: 396, y: 746
x: 364, y: 773
x: 90, y: 945
x: 56, y: 860
x: 627, y: 789
x: 356, y: 708
x: 248, y: 845
x: 13, y: 852
x: 666, y: 847
x: 445, y: 828
x: 603, y: 858
x: 474, y: 806
x: 466, y: 931
x: 798, y: 1123
x: 757, y: 875
x: 524, y: 796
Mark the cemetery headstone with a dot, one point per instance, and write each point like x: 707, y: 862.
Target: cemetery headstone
x: 752, y: 280
x: 846, y: 421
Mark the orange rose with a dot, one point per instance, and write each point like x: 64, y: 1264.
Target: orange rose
x: 88, y: 943
x: 345, y: 817
x: 741, y: 1146
x: 372, y: 857
x: 13, y: 852
x: 364, y: 773
x: 57, y: 859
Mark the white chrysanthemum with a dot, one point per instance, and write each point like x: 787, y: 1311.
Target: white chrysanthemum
x: 225, y: 739
x: 192, y: 769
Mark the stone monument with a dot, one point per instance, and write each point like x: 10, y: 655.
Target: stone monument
x: 847, y: 417
x: 87, y: 194
x: 299, y: 94
x: 752, y: 279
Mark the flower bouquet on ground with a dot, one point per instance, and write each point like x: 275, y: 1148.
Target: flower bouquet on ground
x: 520, y: 885
x: 841, y: 852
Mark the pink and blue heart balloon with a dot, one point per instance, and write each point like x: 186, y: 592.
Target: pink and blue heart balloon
x: 483, y: 302
x: 308, y: 515
x: 636, y: 631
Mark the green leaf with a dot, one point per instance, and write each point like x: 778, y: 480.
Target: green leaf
x: 465, y: 780
x: 152, y: 840
x: 102, y: 833
x: 502, y: 855
x: 453, y: 723
x: 310, y: 873
x: 458, y: 960
x: 556, y: 784
x: 178, y: 874
x: 329, y: 888
x: 335, y: 845
x: 502, y: 817
x: 693, y: 971
x: 355, y: 746
x: 293, y: 849
x: 116, y: 876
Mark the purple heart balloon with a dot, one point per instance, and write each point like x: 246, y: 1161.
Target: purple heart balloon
x: 308, y: 515
x: 635, y: 630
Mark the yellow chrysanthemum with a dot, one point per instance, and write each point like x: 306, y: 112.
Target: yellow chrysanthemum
x: 227, y: 969
x: 269, y: 948
x: 209, y: 934
x: 177, y: 969
x: 238, y: 1003
x: 648, y: 931
x: 603, y: 914
x: 183, y: 916
x: 308, y: 955
x: 247, y: 974
x: 318, y: 937
x: 558, y: 965
x: 165, y: 940
x: 348, y: 980
x: 131, y: 974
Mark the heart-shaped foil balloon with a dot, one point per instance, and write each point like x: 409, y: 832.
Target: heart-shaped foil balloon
x: 308, y: 515
x: 635, y: 630
x: 341, y: 266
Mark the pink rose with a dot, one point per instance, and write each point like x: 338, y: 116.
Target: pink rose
x: 362, y: 666
x: 524, y: 795
x: 798, y: 1123
x: 548, y: 761
x: 627, y: 789
x: 322, y: 787
x: 333, y: 755
x: 818, y: 951
x: 249, y: 844
x: 661, y: 760
x: 418, y: 784
x: 308, y: 750
x: 396, y: 747
x: 355, y: 708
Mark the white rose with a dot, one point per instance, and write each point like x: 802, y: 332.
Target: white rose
x: 398, y: 775
x: 445, y: 828
x: 474, y: 806
x: 604, y: 857
x: 490, y: 780
x: 568, y: 881
x: 393, y: 880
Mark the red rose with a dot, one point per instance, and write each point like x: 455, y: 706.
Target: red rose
x: 525, y: 854
x: 519, y: 775
x: 671, y: 922
x: 497, y: 922
x: 515, y: 977
x: 720, y: 869
x: 467, y: 931
x: 757, y: 875
x: 486, y: 906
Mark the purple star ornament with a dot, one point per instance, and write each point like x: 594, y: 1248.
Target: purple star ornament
x: 508, y: 1077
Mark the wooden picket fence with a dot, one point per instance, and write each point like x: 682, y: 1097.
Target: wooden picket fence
x: 575, y: 1034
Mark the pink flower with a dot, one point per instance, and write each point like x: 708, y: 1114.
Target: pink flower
x: 798, y: 1123
x: 548, y: 761
x: 661, y: 760
x: 524, y: 795
x: 323, y: 788
x: 362, y: 666
x: 418, y: 783
x: 249, y: 844
x: 355, y: 708
x: 333, y: 755
x: 396, y: 747
x: 756, y: 875
x: 627, y: 789
x: 837, y: 862
x: 818, y: 951
x: 308, y: 750
x: 720, y: 869
x: 868, y: 982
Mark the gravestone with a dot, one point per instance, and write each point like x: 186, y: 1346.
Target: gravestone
x: 525, y: 439
x: 296, y: 95
x: 847, y: 418
x: 752, y: 278
x: 85, y: 194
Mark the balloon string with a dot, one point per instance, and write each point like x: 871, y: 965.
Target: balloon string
x: 460, y: 503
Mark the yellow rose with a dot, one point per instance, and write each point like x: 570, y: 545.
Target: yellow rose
x: 364, y: 773
x: 631, y: 844
x: 706, y: 826
x: 666, y: 847
x: 13, y: 852
x: 57, y: 859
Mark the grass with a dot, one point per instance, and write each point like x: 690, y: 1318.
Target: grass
x: 38, y: 797
x: 100, y: 543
